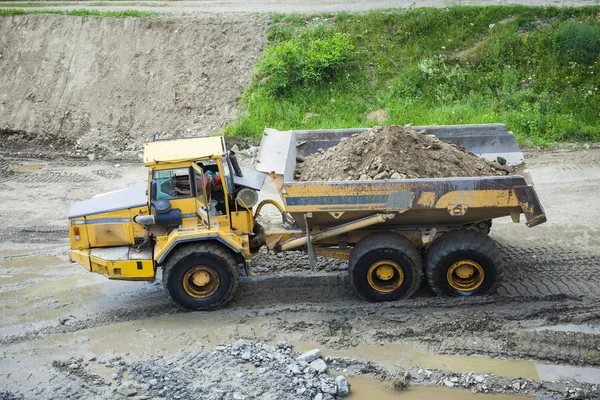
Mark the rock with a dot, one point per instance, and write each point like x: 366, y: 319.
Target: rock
x: 299, y: 158
x: 319, y: 396
x: 516, y: 386
x: 300, y: 391
x: 363, y: 177
x: 127, y: 391
x: 240, y: 345
x: 381, y: 175
x: 235, y: 148
x: 284, y: 345
x: 309, y: 356
x: 328, y: 386
x: 153, y: 382
x: 246, y: 355
x: 296, y: 370
x: 396, y: 175
x: 319, y: 365
x: 436, y: 146
x: 449, y: 384
x: 238, y: 396
x: 73, y: 366
x: 402, y: 382
x: 454, y: 379
x: 479, y: 378
x: 343, y: 386
x: 501, y: 160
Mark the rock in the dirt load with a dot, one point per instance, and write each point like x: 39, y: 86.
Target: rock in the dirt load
x: 343, y: 386
x: 399, y: 152
x: 309, y: 356
x: 319, y: 365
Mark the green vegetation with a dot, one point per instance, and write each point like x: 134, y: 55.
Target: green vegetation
x: 83, y: 13
x: 535, y: 69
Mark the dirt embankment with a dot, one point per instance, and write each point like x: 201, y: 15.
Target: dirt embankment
x: 396, y: 152
x: 86, y: 86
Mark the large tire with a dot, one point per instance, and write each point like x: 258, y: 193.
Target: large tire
x: 374, y: 257
x: 463, y: 263
x: 201, y: 276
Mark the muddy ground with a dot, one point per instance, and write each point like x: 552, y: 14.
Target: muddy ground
x: 66, y: 333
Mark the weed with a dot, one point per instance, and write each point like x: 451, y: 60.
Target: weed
x: 430, y: 66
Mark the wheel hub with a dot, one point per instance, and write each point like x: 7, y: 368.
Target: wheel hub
x: 385, y: 276
x: 465, y: 275
x: 384, y: 272
x: 201, y: 281
x: 201, y: 278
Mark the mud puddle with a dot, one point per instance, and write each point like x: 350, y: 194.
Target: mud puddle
x: 411, y: 355
x: 26, y: 167
x: 366, y: 388
x: 52, y: 287
x: 574, y: 328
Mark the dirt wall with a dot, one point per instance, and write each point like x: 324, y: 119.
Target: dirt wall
x: 83, y: 86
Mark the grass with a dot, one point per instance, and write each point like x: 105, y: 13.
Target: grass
x: 459, y: 65
x: 83, y: 13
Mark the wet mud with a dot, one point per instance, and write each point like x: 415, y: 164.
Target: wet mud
x: 539, y: 335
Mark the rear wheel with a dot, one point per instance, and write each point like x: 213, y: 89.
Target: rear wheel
x: 201, y: 276
x: 463, y: 263
x: 385, y: 266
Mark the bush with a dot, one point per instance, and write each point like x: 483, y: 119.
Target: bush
x: 576, y: 43
x: 304, y: 59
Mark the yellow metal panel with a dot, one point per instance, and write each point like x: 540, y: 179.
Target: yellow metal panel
x: 242, y: 221
x: 181, y: 150
x: 427, y: 199
x: 124, y: 269
x: 82, y: 257
x: 479, y: 198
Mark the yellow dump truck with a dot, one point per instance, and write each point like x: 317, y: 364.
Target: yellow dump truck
x: 196, y: 219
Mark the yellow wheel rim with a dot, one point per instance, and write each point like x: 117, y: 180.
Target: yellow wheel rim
x: 465, y: 275
x: 201, y: 281
x: 385, y: 276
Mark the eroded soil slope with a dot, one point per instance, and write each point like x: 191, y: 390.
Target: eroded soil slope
x: 83, y: 86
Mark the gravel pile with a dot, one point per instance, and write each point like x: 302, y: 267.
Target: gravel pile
x: 239, y: 371
x: 394, y: 152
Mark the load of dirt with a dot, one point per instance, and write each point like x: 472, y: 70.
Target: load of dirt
x: 100, y: 87
x: 394, y: 152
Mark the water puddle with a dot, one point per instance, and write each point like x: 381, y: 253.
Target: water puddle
x: 31, y: 262
x: 365, y: 388
x: 550, y: 372
x: 412, y: 355
x: 591, y: 329
x: 250, y: 367
x: 26, y: 167
x: 77, y: 195
x: 53, y: 287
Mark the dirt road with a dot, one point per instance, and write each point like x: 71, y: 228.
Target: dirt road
x: 66, y: 332
x: 285, y: 6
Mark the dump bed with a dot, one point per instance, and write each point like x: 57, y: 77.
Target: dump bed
x: 419, y: 203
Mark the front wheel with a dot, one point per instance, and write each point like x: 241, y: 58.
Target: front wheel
x: 201, y: 276
x: 385, y: 266
x: 463, y: 263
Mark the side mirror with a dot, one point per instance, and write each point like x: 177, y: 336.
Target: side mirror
x: 152, y: 189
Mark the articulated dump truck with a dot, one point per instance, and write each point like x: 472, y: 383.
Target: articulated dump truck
x: 196, y: 219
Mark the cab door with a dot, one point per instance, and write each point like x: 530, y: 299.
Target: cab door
x: 202, y: 209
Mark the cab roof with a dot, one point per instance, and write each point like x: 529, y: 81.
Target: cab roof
x: 181, y: 150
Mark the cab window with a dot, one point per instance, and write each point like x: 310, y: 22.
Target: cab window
x: 172, y: 183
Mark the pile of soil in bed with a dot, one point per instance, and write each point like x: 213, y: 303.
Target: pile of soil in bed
x: 394, y: 152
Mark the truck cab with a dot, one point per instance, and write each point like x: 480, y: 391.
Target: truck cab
x: 196, y: 193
